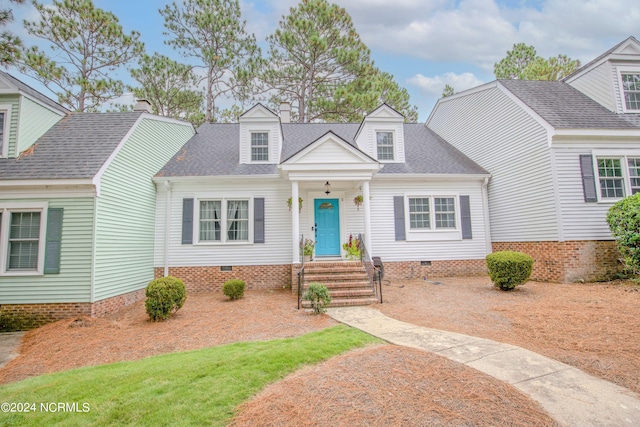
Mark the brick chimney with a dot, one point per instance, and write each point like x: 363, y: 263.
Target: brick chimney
x: 142, y: 105
x: 285, y: 112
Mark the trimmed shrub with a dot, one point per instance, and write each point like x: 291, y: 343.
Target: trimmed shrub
x: 318, y: 295
x: 233, y: 289
x: 165, y: 296
x: 508, y: 269
x: 624, y: 221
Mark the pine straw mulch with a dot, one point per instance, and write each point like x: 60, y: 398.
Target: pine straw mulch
x: 591, y: 326
x: 390, y: 386
x: 594, y: 327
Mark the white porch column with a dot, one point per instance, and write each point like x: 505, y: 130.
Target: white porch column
x: 295, y: 222
x: 367, y: 216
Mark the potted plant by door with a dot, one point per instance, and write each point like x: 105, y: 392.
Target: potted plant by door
x: 290, y: 203
x: 307, y: 250
x: 358, y: 201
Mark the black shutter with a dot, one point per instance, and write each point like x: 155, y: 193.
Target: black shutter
x: 53, y: 242
x: 187, y: 221
x: 398, y: 216
x: 465, y: 217
x: 588, y: 178
x: 258, y: 220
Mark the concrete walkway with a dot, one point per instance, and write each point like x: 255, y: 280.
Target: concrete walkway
x: 9, y: 345
x: 569, y: 395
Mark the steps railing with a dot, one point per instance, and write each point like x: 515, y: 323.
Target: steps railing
x: 301, y: 272
x: 373, y: 272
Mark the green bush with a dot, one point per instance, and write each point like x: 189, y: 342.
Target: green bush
x: 624, y: 221
x: 165, y: 296
x: 233, y: 289
x: 509, y: 269
x: 318, y: 295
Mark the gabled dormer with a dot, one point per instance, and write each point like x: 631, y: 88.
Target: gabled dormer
x: 25, y: 115
x: 381, y: 135
x: 260, y: 136
x: 612, y: 79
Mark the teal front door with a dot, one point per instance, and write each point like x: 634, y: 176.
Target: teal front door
x: 327, y: 227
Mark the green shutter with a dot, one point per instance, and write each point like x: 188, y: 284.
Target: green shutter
x: 187, y: 221
x: 54, y: 241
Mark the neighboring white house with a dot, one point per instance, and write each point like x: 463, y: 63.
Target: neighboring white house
x: 222, y: 208
x: 560, y: 154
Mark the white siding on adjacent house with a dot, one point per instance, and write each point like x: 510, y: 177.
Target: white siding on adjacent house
x: 126, y: 206
x: 582, y: 220
x: 383, y: 241
x: 495, y: 132
x: 34, y: 121
x: 598, y: 85
x: 73, y: 283
x: 275, y: 250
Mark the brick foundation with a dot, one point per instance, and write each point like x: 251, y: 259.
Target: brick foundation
x: 207, y: 279
x: 414, y: 270
x: 39, y: 314
x: 568, y: 262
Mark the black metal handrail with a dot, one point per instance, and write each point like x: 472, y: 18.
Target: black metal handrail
x: 301, y: 272
x: 373, y: 272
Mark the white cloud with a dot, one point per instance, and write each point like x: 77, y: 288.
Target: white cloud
x: 433, y: 86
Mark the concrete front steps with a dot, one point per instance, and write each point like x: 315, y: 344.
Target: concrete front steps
x: 347, y: 282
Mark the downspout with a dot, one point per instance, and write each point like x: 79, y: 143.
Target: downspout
x: 487, y: 222
x: 167, y: 222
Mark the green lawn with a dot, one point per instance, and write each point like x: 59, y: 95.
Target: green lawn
x: 199, y: 387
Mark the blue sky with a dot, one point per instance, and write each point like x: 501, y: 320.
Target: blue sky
x: 425, y: 44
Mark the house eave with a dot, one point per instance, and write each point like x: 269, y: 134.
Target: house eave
x: 434, y: 176
x: 198, y: 178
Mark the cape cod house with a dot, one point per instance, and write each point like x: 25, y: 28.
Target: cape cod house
x: 76, y: 204
x: 560, y: 154
x: 222, y: 208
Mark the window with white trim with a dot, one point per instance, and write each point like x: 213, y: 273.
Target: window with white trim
x: 631, y: 90
x: 259, y: 146
x: 22, y: 236
x: 618, y: 176
x: 5, y: 121
x: 223, y: 220
x: 384, y: 143
x: 3, y: 115
x: 423, y: 217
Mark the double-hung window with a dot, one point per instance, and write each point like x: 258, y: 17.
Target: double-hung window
x: 224, y: 220
x: 259, y: 146
x: 432, y: 213
x: 631, y: 90
x: 618, y: 176
x: 22, y: 238
x: 384, y: 142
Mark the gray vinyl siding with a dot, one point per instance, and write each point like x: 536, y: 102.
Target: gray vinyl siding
x: 14, y: 101
x: 34, y: 121
x: 504, y: 139
x: 278, y: 241
x: 581, y: 220
x: 597, y: 84
x: 73, y: 283
x: 126, y: 208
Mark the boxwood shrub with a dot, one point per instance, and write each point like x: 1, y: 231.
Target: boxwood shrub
x: 165, y: 296
x: 624, y: 221
x: 508, y: 269
x: 233, y: 288
x: 319, y: 296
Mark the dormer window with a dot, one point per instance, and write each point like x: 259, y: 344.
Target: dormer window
x: 385, y: 145
x: 5, y: 119
x: 259, y: 146
x: 631, y: 89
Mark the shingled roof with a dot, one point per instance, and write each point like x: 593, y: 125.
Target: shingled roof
x: 214, y: 151
x: 74, y: 148
x: 565, y: 107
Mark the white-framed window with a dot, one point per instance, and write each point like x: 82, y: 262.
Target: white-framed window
x: 259, y: 146
x: 432, y: 213
x: 5, y: 123
x: 225, y: 220
x: 385, y: 146
x: 618, y: 176
x: 22, y: 238
x: 630, y: 82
